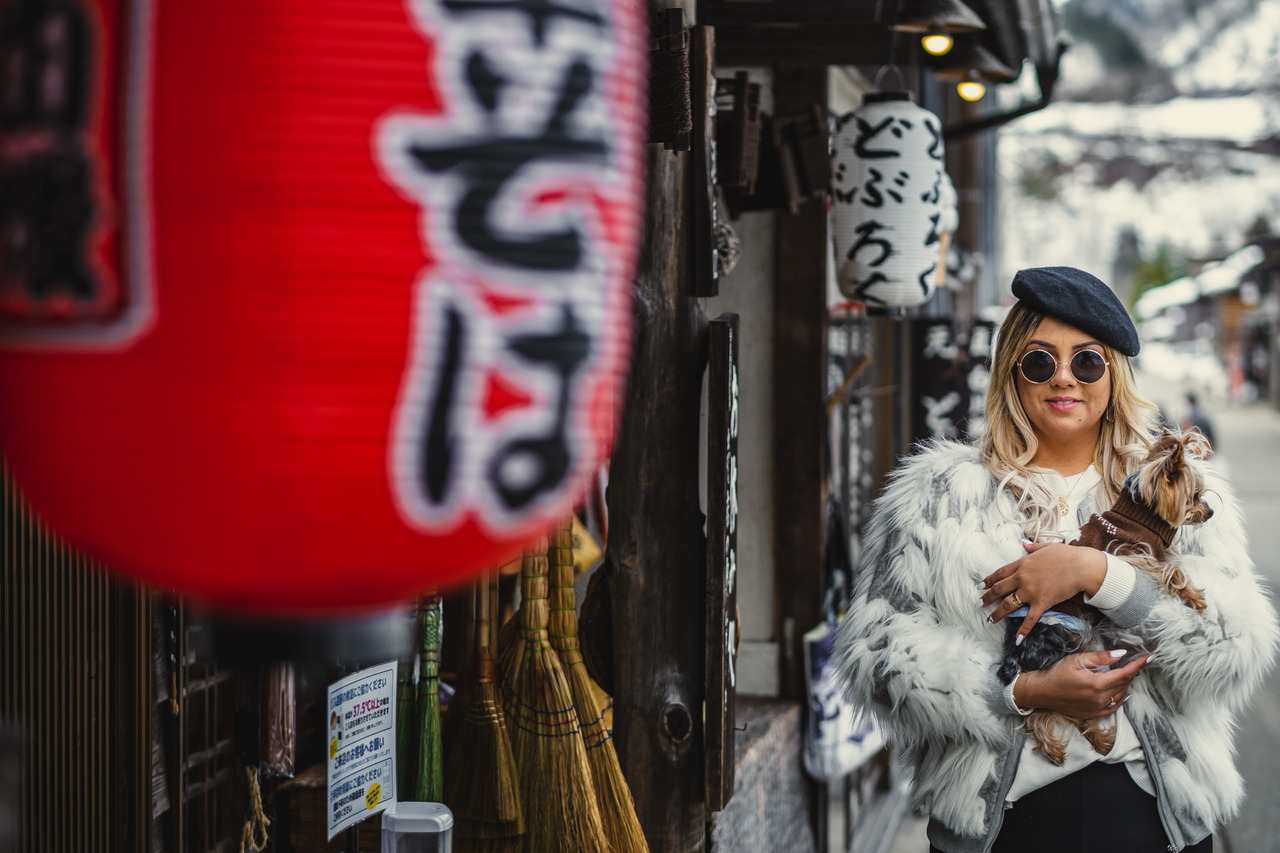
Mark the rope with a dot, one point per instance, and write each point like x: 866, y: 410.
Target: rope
x: 258, y: 822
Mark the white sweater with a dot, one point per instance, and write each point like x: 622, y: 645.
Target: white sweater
x: 916, y: 649
x: 1035, y: 770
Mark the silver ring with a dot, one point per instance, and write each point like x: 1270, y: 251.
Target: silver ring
x: 1112, y: 703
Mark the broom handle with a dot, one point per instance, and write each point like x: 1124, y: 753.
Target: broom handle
x: 564, y: 610
x: 484, y: 653
x: 495, y: 607
x: 430, y: 639
x: 482, y: 614
x: 533, y: 577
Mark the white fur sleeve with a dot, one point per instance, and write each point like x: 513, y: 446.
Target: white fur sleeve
x: 1222, y: 654
x: 910, y: 644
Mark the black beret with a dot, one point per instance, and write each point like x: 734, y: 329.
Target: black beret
x: 1078, y: 299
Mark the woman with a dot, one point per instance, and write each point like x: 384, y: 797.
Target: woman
x: 964, y: 534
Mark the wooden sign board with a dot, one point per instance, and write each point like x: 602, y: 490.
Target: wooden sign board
x: 722, y: 547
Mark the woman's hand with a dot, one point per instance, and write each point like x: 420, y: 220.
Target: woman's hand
x: 1073, y: 687
x: 1050, y: 573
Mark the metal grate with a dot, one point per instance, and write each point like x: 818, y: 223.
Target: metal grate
x: 69, y: 639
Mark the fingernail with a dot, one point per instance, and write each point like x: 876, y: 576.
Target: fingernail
x: 981, y: 603
x: 982, y: 585
x: 1117, y: 653
x: 990, y: 621
x: 1017, y: 641
x: 1126, y: 699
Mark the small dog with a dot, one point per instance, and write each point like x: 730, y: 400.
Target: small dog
x: 1165, y: 493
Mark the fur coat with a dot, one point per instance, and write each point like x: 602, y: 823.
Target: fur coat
x: 915, y: 647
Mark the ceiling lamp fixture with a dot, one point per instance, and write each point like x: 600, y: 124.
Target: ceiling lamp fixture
x: 970, y: 59
x: 937, y: 21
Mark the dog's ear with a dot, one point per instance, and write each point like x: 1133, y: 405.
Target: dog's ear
x: 1198, y: 446
x: 1175, y: 463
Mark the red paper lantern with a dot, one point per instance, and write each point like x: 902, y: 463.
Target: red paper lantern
x: 312, y: 305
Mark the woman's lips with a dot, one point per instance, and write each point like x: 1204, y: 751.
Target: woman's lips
x: 1063, y: 404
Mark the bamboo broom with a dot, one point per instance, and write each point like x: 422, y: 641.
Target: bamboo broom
x: 556, y: 791
x: 430, y: 758
x: 617, y: 809
x: 480, y: 783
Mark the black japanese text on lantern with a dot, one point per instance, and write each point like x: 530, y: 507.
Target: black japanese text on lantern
x: 49, y: 165
x: 508, y: 318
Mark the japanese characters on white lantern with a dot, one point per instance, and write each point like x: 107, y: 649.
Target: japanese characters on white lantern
x: 887, y: 179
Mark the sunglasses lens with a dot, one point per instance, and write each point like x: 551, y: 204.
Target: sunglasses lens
x: 1088, y: 365
x: 1038, y: 366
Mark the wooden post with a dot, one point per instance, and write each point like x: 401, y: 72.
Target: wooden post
x: 655, y: 560
x: 702, y: 89
x: 799, y: 376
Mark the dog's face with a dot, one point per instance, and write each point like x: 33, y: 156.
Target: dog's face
x: 1171, y: 483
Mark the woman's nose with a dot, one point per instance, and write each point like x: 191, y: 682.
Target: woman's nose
x: 1062, y: 374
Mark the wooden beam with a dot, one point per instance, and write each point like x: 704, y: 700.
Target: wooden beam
x: 655, y: 560
x: 799, y: 377
x: 800, y: 46
x: 716, y: 12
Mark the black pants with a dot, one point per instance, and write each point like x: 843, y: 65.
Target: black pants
x: 1095, y: 810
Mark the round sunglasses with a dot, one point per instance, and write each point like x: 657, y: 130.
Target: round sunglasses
x: 1039, y: 366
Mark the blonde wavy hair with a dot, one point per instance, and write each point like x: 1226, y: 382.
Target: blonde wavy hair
x: 1008, y: 444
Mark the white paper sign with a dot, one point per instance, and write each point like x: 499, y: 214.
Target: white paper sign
x: 362, y: 746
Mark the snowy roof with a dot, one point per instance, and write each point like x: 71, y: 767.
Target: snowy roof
x: 1217, y: 277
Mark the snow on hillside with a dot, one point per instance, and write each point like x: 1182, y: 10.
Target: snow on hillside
x: 1195, y: 171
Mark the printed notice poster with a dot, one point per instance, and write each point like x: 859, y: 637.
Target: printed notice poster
x: 362, y: 746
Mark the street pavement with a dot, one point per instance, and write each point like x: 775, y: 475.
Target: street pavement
x: 1249, y: 442
x: 1249, y: 447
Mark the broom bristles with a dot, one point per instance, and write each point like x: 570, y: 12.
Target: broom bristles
x: 481, y: 787
x: 562, y: 814
x: 617, y: 808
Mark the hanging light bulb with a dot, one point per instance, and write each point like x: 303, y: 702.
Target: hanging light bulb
x: 937, y: 21
x: 971, y: 89
x: 937, y: 44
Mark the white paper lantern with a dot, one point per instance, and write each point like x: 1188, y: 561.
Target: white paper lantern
x: 887, y: 175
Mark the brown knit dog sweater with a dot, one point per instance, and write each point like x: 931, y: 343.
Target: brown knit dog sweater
x: 1127, y: 524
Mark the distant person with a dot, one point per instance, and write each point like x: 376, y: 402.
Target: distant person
x: 966, y: 535
x: 1197, y: 419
